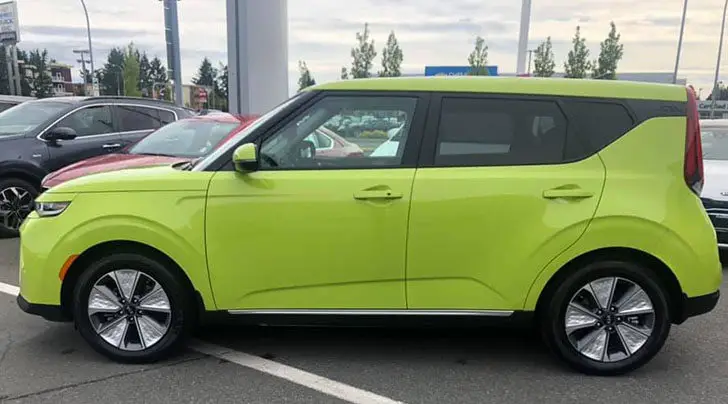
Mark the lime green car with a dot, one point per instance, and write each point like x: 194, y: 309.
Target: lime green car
x: 569, y: 204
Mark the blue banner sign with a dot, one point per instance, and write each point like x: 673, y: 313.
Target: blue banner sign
x: 456, y: 70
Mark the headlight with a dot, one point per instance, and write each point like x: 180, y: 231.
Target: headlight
x: 50, y: 209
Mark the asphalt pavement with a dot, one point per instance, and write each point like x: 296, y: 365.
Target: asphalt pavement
x: 46, y: 362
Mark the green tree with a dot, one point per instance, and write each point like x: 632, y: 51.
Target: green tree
x: 306, y: 79
x: 145, y: 76
x: 158, y: 77
x: 207, y: 77
x: 222, y: 85
x: 344, y: 74
x: 391, y: 58
x: 110, y: 76
x: 577, y: 64
x: 543, y: 61
x: 130, y: 72
x: 478, y: 59
x: 363, y: 55
x: 42, y: 83
x: 610, y: 53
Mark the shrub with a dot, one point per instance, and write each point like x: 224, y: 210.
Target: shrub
x: 373, y: 134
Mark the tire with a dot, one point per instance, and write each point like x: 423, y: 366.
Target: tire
x: 176, y: 322
x: 645, y: 345
x: 6, y: 193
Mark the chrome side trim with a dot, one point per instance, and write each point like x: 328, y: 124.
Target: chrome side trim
x: 104, y: 104
x: 326, y: 312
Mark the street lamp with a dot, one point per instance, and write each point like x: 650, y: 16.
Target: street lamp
x: 716, y: 89
x: 523, y: 37
x: 90, y: 50
x: 680, y: 41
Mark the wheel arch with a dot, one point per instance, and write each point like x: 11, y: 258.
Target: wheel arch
x: 24, y: 171
x: 85, y: 259
x: 659, y: 269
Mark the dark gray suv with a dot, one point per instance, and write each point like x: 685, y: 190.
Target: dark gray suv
x: 40, y: 136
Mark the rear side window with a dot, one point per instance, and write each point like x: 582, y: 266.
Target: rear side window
x: 499, y: 132
x: 134, y: 118
x: 165, y: 116
x: 598, y: 124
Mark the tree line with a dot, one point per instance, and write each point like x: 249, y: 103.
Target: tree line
x: 576, y: 65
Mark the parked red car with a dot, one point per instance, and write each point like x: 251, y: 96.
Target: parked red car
x: 183, y: 140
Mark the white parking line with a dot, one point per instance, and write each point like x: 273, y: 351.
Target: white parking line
x: 290, y: 373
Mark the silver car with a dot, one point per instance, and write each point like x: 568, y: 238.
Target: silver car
x: 715, y: 162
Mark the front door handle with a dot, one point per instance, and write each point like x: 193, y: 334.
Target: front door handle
x: 567, y: 193
x: 112, y: 146
x: 369, y: 194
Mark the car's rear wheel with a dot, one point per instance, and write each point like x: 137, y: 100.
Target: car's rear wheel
x: 607, y: 318
x: 131, y: 308
x: 16, y: 202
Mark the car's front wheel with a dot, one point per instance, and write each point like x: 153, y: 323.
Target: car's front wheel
x: 607, y: 318
x: 132, y: 308
x: 16, y: 202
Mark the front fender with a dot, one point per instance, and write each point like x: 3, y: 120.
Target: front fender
x: 173, y: 225
x: 23, y: 169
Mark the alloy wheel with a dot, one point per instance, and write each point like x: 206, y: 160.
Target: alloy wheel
x: 15, y: 204
x: 129, y: 310
x: 609, y: 319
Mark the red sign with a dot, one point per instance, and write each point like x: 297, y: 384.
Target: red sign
x: 202, y: 95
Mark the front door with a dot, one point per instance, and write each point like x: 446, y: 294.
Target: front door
x: 95, y: 135
x: 494, y: 202
x: 310, y: 231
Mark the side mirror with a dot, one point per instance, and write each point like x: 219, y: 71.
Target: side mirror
x: 60, y: 133
x: 245, y: 158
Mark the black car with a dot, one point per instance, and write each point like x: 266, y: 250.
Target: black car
x: 40, y: 136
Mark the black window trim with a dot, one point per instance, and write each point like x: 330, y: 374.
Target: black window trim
x: 648, y: 109
x: 411, y: 153
x: 117, y: 119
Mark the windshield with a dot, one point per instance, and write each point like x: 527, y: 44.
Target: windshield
x: 201, y: 164
x: 27, y: 116
x: 715, y: 143
x: 186, y: 138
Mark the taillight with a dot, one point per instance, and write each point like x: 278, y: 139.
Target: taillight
x: 693, y: 165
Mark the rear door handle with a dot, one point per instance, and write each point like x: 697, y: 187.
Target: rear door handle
x: 567, y: 193
x: 377, y: 194
x: 111, y: 146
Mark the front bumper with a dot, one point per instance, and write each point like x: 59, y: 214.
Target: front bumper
x: 47, y: 311
x: 695, y: 306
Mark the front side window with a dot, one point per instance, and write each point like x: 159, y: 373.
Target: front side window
x: 186, y: 138
x: 715, y: 143
x: 488, y: 132
x: 89, y: 121
x: 28, y: 116
x: 342, y: 132
x: 135, y: 118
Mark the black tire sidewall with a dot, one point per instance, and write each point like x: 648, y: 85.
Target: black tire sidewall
x: 181, y: 313
x: 15, y: 182
x: 553, y: 326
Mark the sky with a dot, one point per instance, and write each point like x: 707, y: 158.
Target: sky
x: 430, y: 32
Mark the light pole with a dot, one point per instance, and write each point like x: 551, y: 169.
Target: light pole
x: 680, y: 41
x: 523, y: 37
x: 86, y: 73
x: 716, y: 90
x: 90, y: 51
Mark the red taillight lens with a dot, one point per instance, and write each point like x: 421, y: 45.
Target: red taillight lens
x: 693, y: 167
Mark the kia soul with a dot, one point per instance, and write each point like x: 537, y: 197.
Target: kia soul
x: 570, y: 205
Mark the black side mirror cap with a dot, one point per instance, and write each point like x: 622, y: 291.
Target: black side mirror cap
x: 61, y: 133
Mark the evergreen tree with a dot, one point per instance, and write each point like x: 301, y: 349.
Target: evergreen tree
x: 391, y: 58
x: 577, y: 65
x: 363, y: 55
x: 611, y: 52
x: 478, y: 58
x: 131, y: 72
x: 543, y: 62
x: 306, y: 79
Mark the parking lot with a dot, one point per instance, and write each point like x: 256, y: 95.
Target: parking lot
x: 47, y: 362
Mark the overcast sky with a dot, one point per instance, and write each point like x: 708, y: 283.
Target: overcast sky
x: 431, y: 32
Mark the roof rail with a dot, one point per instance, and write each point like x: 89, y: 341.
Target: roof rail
x: 123, y: 97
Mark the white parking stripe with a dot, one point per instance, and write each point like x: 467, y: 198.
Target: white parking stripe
x: 321, y: 384
x: 295, y: 375
x: 9, y: 289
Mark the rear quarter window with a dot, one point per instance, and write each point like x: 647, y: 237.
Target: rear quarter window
x: 595, y: 124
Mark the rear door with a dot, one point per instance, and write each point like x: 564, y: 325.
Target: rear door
x: 496, y: 197
x: 96, y: 136
x: 137, y: 121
